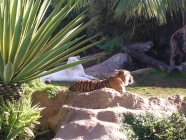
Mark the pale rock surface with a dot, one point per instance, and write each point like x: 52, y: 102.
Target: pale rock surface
x: 94, y: 115
x: 104, y: 69
x: 87, y: 124
x: 51, y: 106
x: 142, y: 71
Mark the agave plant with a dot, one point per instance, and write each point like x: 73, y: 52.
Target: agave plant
x: 27, y: 44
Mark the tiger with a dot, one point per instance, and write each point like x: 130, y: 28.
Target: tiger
x: 75, y: 73
x: 117, y: 81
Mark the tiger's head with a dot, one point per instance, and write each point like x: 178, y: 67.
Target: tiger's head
x: 125, y: 76
x: 73, y: 59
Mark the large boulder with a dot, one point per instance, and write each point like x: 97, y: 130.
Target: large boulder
x: 86, y: 124
x: 104, y: 69
x: 94, y: 115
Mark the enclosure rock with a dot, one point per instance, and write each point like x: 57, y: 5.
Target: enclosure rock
x: 140, y: 46
x: 86, y: 124
x: 94, y: 115
x: 51, y: 106
x: 104, y: 69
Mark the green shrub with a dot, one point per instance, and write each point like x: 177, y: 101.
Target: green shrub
x: 18, y: 120
x: 37, y: 85
x: 149, y: 127
x: 172, y: 128
x: 110, y: 44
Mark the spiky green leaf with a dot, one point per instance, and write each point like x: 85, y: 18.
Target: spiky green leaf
x: 14, y: 133
x: 10, y: 126
x: 8, y: 73
x: 27, y: 44
x: 2, y: 65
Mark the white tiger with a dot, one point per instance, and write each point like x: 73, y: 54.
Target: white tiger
x: 75, y: 73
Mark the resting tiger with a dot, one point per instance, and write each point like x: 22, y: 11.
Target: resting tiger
x: 75, y: 73
x: 117, y: 81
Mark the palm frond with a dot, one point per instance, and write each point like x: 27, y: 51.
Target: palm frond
x: 125, y: 9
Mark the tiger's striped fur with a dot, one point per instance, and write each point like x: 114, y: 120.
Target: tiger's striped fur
x: 117, y: 81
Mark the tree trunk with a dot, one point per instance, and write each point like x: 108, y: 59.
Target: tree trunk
x: 184, y: 17
x: 12, y: 92
x: 151, y: 61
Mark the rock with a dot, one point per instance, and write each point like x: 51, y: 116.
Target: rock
x: 140, y: 46
x: 104, y: 69
x: 51, y: 106
x: 142, y: 71
x: 93, y: 115
x: 85, y: 124
x: 182, y: 67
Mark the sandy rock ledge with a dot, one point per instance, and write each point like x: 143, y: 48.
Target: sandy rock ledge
x: 94, y: 115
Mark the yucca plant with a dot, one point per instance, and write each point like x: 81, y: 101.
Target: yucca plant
x: 27, y: 47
